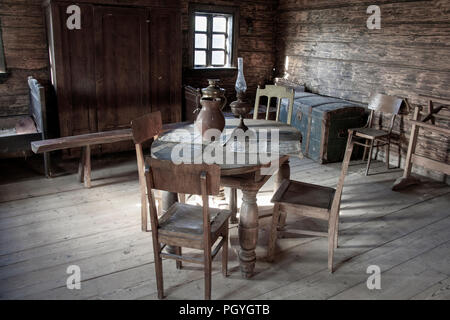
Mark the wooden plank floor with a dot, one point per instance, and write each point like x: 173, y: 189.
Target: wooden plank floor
x: 47, y: 225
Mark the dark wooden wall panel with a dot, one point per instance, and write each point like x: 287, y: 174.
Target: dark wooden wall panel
x: 164, y: 63
x: 329, y: 48
x: 79, y: 95
x: 121, y: 66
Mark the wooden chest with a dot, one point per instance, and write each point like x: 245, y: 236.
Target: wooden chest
x: 324, y: 123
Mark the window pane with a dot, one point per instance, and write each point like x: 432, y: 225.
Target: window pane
x: 200, y: 58
x: 219, y: 24
x: 200, y: 23
x: 218, y: 41
x: 218, y: 57
x: 200, y: 41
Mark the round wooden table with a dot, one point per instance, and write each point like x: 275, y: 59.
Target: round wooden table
x: 248, y: 176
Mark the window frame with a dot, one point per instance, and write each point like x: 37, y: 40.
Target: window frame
x: 210, y: 33
x: 210, y: 11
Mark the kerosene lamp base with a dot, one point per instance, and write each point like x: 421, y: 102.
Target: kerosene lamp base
x: 241, y: 108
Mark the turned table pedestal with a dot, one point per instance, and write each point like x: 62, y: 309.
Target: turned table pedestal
x: 275, y: 141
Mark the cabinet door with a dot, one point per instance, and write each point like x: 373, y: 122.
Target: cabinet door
x: 73, y: 69
x: 122, y: 65
x: 165, y: 63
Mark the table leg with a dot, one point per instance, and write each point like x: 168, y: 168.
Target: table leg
x: 168, y: 199
x: 283, y: 173
x: 248, y: 232
x: 231, y: 194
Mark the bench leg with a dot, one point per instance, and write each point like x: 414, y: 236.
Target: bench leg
x: 47, y: 169
x: 87, y: 167
x: 81, y: 165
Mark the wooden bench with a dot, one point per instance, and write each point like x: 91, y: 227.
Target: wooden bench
x: 85, y: 141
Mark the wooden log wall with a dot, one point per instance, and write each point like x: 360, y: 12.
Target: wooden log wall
x: 25, y: 46
x: 256, y: 46
x: 326, y: 45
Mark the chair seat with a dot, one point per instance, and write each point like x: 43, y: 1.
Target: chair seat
x: 370, y: 132
x: 300, y: 193
x: 185, y: 220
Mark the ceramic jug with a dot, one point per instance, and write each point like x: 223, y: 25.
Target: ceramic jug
x: 210, y: 115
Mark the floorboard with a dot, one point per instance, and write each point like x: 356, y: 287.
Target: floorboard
x: 48, y: 224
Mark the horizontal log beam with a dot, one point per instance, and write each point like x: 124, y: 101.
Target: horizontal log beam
x: 431, y: 164
x: 431, y: 127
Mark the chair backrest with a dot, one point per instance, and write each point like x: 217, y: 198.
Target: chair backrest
x: 273, y: 91
x: 384, y: 104
x: 183, y: 178
x: 146, y: 127
x: 336, y: 204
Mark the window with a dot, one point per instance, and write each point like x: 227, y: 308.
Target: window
x: 213, y: 37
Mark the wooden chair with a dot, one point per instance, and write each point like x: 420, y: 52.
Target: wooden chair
x: 270, y: 91
x: 273, y: 91
x: 145, y: 129
x: 313, y: 201
x: 384, y: 104
x: 184, y: 225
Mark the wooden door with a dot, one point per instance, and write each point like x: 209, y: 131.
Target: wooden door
x: 72, y: 69
x: 165, y: 63
x: 122, y: 65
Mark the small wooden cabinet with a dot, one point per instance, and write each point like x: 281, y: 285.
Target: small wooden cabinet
x: 124, y: 62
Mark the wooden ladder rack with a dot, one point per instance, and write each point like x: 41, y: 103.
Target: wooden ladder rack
x: 413, y: 158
